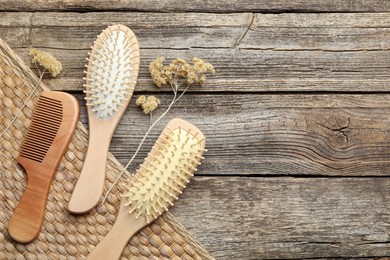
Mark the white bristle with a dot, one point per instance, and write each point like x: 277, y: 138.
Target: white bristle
x: 113, y: 61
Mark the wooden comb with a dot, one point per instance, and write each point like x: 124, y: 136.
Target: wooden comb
x: 156, y: 185
x: 51, y: 128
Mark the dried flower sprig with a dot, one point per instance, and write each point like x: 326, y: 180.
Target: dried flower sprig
x: 48, y: 61
x: 180, y: 74
x: 180, y: 71
x: 148, y: 104
x: 50, y: 64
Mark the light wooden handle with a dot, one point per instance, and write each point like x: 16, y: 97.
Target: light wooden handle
x: 125, y: 227
x: 27, y: 219
x: 89, y: 187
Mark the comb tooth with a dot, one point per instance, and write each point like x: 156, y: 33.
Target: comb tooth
x: 33, y: 151
x: 48, y: 103
x: 46, y: 119
x: 39, y: 138
x: 49, y: 112
x: 38, y: 147
x: 51, y: 126
x: 38, y: 143
x: 31, y: 157
x: 42, y: 122
x: 43, y: 129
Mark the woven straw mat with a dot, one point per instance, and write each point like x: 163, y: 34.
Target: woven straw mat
x: 63, y: 235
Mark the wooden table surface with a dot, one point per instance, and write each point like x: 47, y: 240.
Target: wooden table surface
x: 297, y: 117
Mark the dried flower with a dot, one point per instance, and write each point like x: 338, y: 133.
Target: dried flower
x: 148, y: 104
x: 46, y: 60
x: 141, y: 100
x: 180, y: 71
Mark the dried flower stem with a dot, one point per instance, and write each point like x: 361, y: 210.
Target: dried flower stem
x: 174, y: 100
x: 50, y: 64
x: 24, y: 104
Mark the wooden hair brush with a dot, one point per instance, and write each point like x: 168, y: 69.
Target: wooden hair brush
x: 155, y: 186
x: 51, y: 128
x: 111, y: 77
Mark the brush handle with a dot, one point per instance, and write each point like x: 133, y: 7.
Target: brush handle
x: 89, y: 187
x: 124, y: 228
x: 27, y: 219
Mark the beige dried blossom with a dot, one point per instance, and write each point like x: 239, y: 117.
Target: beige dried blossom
x: 148, y: 104
x: 141, y: 100
x: 180, y: 71
x: 46, y: 60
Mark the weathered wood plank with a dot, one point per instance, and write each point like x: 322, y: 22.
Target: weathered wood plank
x: 210, y: 6
x: 324, y: 31
x: 287, y: 218
x: 329, y: 135
x: 271, y: 56
x: 318, y: 31
x: 252, y: 70
x: 243, y: 30
x: 179, y: 30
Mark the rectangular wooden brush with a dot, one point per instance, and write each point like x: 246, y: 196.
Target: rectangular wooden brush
x: 50, y: 131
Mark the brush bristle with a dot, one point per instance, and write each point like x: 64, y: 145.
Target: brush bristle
x: 164, y: 173
x: 112, y: 71
x: 43, y: 129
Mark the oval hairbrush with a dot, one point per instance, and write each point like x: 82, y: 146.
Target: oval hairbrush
x: 50, y: 131
x: 111, y: 77
x: 155, y: 186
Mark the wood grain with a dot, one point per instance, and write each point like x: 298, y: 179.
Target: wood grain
x: 332, y: 135
x: 330, y: 31
x: 292, y: 218
x: 279, y: 52
x: 209, y: 6
x: 251, y: 70
x: 324, y: 31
